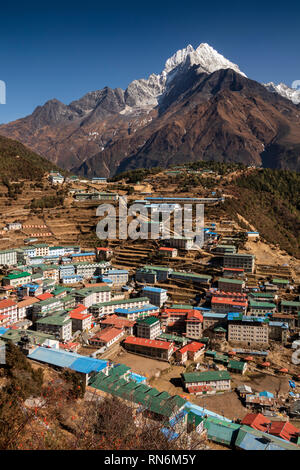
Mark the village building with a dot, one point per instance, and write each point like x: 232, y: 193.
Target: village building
x: 278, y: 331
x: 106, y: 308
x: 161, y: 350
x: 104, y: 253
x: 224, y: 249
x: 8, y: 257
x: 89, y: 296
x: 107, y: 337
x: 194, y: 324
x: 182, y: 243
x: 16, y: 279
x: 230, y: 285
x: 162, y: 272
x: 45, y: 307
x: 208, y: 382
x: 239, y: 260
x: 118, y: 322
x: 228, y: 304
x: 148, y: 327
x: 156, y: 295
x: 287, y: 306
x: 261, y: 308
x: 146, y: 276
x: 168, y: 252
x: 9, y: 307
x: 135, y: 313
x: 119, y: 277
x: 58, y: 325
x: 201, y: 279
x: 81, y: 319
x: 213, y: 319
x: 191, y: 351
x: 237, y: 367
x: 14, y: 226
x: 248, y: 331
x: 233, y: 272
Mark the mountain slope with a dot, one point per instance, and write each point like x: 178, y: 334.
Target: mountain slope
x: 18, y: 162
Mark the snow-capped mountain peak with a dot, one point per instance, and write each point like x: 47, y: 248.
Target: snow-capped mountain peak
x: 291, y: 94
x: 146, y: 92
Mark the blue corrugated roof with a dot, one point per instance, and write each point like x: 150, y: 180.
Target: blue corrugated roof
x: 73, y: 361
x: 153, y: 289
x: 136, y: 310
x: 2, y: 330
x: 86, y: 365
x: 199, y: 410
x: 53, y: 356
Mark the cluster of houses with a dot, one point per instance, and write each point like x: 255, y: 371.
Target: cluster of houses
x: 56, y: 299
x: 60, y: 290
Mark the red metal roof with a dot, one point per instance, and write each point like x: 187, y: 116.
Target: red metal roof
x: 284, y: 429
x: 256, y: 421
x: 192, y: 347
x: 117, y: 322
x: 79, y: 309
x: 233, y: 269
x: 45, y: 296
x: 194, y: 315
x: 151, y: 343
x: 165, y: 248
x: 107, y: 335
x: 7, y: 303
x: 224, y: 300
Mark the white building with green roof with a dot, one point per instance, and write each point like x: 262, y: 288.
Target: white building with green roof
x: 148, y: 327
x: 58, y: 325
x: 16, y: 279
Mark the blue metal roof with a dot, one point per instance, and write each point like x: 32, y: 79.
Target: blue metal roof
x: 117, y: 271
x: 3, y: 330
x: 86, y: 365
x: 200, y: 411
x: 73, y: 361
x: 153, y: 289
x: 136, y: 310
x: 266, y: 394
x: 90, y: 253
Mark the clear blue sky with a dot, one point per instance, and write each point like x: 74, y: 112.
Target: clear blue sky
x: 66, y: 49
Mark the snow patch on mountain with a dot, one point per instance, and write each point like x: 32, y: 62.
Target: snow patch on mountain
x: 291, y: 94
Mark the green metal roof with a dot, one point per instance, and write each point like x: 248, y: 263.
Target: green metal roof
x: 255, y: 304
x: 230, y: 281
x: 17, y: 275
x: 290, y: 303
x: 280, y: 281
x: 206, y: 376
x: 238, y: 365
x: 192, y: 275
x: 157, y: 268
x: 58, y: 320
x: 147, y: 321
x: 121, y: 301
